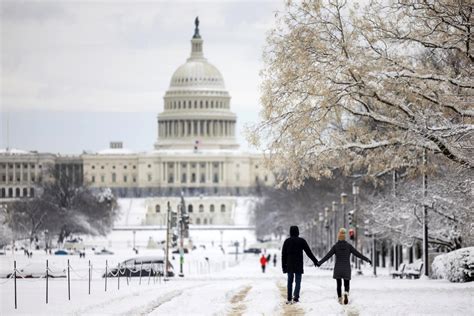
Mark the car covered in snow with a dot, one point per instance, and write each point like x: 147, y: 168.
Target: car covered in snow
x: 38, y: 270
x: 143, y: 265
x: 104, y: 252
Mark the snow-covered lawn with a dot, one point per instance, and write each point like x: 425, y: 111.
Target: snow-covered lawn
x: 234, y: 290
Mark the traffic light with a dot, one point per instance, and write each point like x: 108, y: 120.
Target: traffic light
x: 173, y: 219
x: 350, y: 217
x: 174, y: 240
x: 351, y: 234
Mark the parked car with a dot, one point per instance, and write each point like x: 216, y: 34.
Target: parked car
x: 144, y: 266
x: 104, y: 252
x: 185, y: 250
x: 38, y: 270
x: 253, y: 250
x: 61, y: 252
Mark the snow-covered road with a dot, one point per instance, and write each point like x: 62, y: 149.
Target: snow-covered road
x: 241, y: 290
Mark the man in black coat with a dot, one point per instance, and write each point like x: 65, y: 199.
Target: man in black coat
x: 342, y: 268
x: 292, y: 261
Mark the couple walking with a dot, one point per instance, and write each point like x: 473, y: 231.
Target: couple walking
x: 292, y: 263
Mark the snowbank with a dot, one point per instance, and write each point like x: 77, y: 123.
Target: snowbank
x: 455, y: 266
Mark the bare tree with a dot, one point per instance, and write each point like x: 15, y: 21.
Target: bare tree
x: 365, y: 89
x: 64, y: 207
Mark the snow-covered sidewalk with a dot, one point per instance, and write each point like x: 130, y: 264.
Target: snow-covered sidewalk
x: 240, y: 290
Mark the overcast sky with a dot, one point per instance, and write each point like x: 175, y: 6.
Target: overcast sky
x: 72, y: 72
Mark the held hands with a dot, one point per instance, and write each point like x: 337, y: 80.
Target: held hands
x: 317, y: 264
x: 370, y: 262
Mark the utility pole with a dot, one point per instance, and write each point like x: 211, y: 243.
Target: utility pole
x: 167, y: 246
x: 425, y: 214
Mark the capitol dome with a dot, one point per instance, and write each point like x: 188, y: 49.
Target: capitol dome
x: 197, y: 73
x: 196, y: 106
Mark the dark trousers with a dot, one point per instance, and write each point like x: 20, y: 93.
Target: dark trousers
x: 297, y: 277
x: 263, y: 268
x: 339, y: 284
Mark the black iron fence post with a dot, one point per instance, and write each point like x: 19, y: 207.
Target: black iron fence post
x: 47, y: 275
x: 14, y: 278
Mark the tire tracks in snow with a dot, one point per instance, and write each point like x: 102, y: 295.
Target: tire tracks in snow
x: 237, y: 301
x: 288, y: 309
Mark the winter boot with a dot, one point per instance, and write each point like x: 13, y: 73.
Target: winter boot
x: 296, y: 300
x: 340, y: 300
x: 288, y: 302
x: 346, y: 298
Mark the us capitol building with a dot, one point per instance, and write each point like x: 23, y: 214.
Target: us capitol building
x: 196, y: 153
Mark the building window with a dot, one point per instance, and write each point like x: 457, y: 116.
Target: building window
x: 149, y: 177
x: 25, y: 192
x: 114, y: 177
x: 93, y: 179
x: 256, y: 178
x: 237, y: 176
x: 222, y: 208
x: 3, y: 193
x: 102, y: 179
x: 211, y: 208
x: 205, y: 221
x: 183, y: 177
x: 93, y: 167
x: 201, y: 208
x: 170, y: 178
x: 134, y: 167
x: 113, y: 167
x: 149, y: 166
x: 198, y: 221
x: 193, y: 177
x: 10, y: 192
x: 210, y: 221
x: 17, y: 192
x: 32, y: 192
x: 265, y: 178
x: 157, y: 208
x: 134, y: 179
x: 215, y: 178
x: 124, y: 167
x: 124, y: 178
x: 190, y: 208
x: 203, y: 177
x: 102, y: 167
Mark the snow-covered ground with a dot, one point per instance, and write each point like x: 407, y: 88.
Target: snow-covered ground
x: 219, y: 286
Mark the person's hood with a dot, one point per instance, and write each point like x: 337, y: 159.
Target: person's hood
x: 294, y: 231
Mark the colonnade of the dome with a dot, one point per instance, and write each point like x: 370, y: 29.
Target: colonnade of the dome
x: 196, y: 128
x: 194, y: 104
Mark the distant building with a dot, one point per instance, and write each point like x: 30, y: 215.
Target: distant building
x: 196, y: 152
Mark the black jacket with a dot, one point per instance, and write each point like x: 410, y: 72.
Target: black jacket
x: 292, y: 252
x: 342, y: 268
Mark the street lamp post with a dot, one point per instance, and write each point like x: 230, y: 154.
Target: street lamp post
x: 355, y: 192
x: 343, y: 202
x: 327, y: 228
x: 335, y: 221
x: 321, y: 233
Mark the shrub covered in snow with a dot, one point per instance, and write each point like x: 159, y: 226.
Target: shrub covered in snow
x: 455, y: 266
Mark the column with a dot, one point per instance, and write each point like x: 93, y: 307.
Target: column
x: 188, y: 172
x: 198, y: 173
x: 211, y: 129
x: 185, y: 128
x: 208, y: 172
x: 199, y: 128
